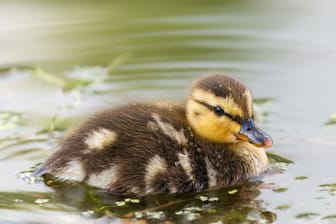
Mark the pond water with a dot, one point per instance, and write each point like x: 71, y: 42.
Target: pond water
x: 62, y: 61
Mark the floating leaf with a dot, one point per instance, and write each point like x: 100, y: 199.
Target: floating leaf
x: 233, y: 191
x: 213, y: 199
x: 332, y: 120
x: 191, y: 213
x: 329, y: 217
x: 132, y: 200
x: 138, y: 215
x: 269, y: 216
x: 301, y: 178
x: 203, y: 198
x: 120, y: 203
x: 332, y: 185
x: 42, y: 201
x: 193, y: 209
x: 278, y: 163
x: 277, y: 158
x: 155, y: 215
x: 179, y: 213
x: 281, y: 189
x: 206, y: 198
x: 5, y: 70
x: 279, y: 167
x: 10, y: 119
x: 328, y: 187
x: 136, y: 201
x: 283, y: 207
x: 193, y: 216
x: 306, y: 215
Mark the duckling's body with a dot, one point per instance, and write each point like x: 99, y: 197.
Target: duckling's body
x: 154, y: 148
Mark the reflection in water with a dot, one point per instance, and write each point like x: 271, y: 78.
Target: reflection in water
x: 234, y: 205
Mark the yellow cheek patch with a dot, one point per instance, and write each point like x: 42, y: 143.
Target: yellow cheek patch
x: 223, y: 131
x: 209, y: 126
x: 227, y: 103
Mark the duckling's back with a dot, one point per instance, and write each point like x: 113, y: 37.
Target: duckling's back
x: 129, y: 149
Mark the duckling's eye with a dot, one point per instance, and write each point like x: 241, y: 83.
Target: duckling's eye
x: 218, y: 110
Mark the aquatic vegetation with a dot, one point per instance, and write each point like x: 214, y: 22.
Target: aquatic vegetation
x: 227, y: 205
x: 77, y: 78
x: 330, y: 188
x: 306, y: 215
x: 301, y: 178
x: 277, y: 162
x: 127, y: 201
x: 280, y: 189
x: 261, y: 107
x: 233, y: 191
x: 57, y: 123
x: 59, y: 80
x: 10, y: 120
x: 332, y: 120
x: 329, y: 217
x: 29, y: 201
x: 283, y: 207
x: 204, y: 198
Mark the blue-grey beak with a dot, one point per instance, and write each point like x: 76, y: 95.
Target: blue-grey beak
x: 250, y: 133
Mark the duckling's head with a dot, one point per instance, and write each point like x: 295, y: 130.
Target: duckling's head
x: 219, y: 109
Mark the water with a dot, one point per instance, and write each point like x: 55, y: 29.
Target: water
x: 61, y: 62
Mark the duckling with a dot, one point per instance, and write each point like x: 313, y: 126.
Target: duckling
x: 207, y: 143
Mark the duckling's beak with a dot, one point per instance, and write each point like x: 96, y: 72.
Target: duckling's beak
x: 250, y: 133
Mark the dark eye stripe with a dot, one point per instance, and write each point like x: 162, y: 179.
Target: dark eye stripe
x: 235, y: 118
x: 220, y: 112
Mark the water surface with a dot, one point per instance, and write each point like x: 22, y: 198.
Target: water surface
x: 61, y: 62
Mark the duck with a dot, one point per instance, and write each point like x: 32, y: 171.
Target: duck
x: 208, y: 142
